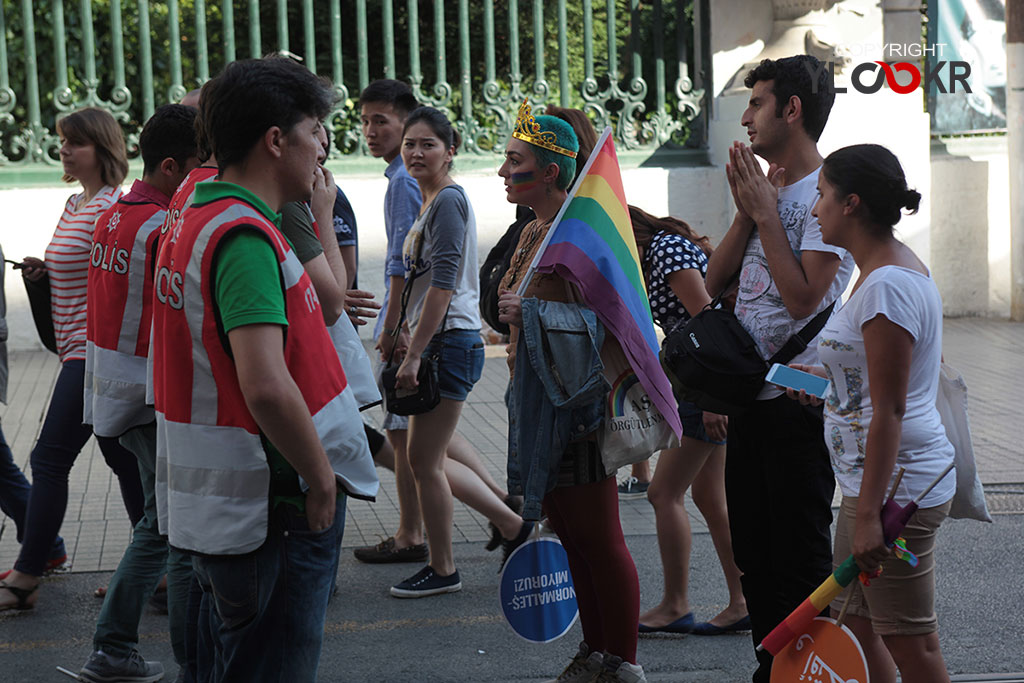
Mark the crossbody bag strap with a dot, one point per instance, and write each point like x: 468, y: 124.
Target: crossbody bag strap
x: 799, y: 341
x: 407, y: 286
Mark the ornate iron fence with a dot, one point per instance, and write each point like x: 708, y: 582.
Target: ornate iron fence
x: 128, y: 57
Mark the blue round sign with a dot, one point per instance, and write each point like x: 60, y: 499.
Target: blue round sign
x: 536, y: 591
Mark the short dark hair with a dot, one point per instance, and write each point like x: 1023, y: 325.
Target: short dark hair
x: 252, y: 95
x: 388, y: 91
x: 874, y: 174
x: 170, y: 132
x: 795, y: 76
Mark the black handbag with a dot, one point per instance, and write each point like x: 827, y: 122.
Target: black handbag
x: 427, y: 393
x: 38, y: 292
x: 423, y: 398
x: 713, y: 362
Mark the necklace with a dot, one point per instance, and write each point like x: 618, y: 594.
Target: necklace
x: 519, y: 258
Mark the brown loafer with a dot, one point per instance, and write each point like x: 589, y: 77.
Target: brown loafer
x: 386, y: 552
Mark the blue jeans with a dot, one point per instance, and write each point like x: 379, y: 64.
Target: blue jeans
x: 263, y: 613
x: 14, y: 492
x: 145, y: 560
x: 461, y: 363
x: 61, y: 440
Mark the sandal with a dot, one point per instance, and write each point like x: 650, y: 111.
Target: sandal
x: 22, y: 594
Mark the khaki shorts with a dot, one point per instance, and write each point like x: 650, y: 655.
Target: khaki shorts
x: 900, y: 602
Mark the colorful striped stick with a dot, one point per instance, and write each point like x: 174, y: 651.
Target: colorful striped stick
x: 894, y: 518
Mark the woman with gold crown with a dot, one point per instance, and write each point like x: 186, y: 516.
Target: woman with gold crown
x: 556, y: 407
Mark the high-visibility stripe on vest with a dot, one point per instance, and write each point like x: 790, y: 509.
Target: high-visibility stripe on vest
x: 181, y: 200
x: 120, y: 291
x: 212, y: 473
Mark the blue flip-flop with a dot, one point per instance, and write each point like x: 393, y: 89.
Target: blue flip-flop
x: 683, y: 624
x: 706, y: 628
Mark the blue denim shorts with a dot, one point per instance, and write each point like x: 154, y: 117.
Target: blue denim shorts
x: 693, y: 422
x: 461, y: 364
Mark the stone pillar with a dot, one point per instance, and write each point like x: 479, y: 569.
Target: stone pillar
x: 1015, y: 156
x: 901, y: 25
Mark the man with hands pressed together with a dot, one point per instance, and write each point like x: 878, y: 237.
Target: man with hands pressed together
x: 779, y: 481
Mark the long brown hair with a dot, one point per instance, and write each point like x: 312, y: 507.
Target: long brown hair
x: 646, y: 226
x: 98, y: 128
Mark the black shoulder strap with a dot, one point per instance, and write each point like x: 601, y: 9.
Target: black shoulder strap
x: 799, y: 341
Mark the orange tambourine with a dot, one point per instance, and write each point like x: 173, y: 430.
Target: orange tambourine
x: 825, y: 652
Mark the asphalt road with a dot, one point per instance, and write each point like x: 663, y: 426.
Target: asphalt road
x: 371, y: 636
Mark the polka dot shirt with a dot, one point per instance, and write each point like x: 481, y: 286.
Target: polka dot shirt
x: 667, y: 253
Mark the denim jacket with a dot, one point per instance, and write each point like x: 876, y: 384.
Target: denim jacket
x: 556, y: 396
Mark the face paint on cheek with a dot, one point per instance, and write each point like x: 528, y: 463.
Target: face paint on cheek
x: 524, y: 181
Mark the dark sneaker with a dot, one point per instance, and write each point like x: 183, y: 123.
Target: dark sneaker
x: 632, y: 488
x: 508, y: 547
x: 427, y: 582
x: 583, y: 668
x: 386, y: 552
x: 515, y: 504
x: 104, y: 668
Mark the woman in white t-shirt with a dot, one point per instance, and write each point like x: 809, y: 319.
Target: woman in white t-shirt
x: 882, y: 352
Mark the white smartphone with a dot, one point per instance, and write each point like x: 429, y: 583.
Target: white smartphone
x: 791, y: 378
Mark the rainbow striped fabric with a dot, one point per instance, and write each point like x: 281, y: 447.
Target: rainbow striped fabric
x: 591, y: 244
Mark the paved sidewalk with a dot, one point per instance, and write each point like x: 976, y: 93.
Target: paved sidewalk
x: 371, y: 636
x: 989, y: 354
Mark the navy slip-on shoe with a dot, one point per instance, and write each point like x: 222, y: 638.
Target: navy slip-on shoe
x: 706, y: 628
x: 683, y: 624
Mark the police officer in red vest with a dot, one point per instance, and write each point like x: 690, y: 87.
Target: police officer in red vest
x: 259, y: 439
x: 120, y: 286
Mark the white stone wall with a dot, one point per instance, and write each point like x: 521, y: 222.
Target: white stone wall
x: 971, y: 226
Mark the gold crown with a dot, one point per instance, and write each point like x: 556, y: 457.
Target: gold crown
x: 528, y: 130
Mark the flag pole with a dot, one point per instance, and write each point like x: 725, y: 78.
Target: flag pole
x: 558, y: 217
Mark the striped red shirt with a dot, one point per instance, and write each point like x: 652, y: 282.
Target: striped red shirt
x: 67, y: 264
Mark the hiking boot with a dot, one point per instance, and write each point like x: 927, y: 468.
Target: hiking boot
x: 585, y: 665
x: 427, y: 582
x: 386, y: 552
x: 633, y: 488
x: 618, y: 671
x: 508, y: 547
x: 104, y: 668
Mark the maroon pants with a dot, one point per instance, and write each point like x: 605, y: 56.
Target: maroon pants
x: 586, y: 519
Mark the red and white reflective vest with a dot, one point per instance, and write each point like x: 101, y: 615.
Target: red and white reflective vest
x: 120, y: 310
x: 181, y: 200
x: 212, y: 474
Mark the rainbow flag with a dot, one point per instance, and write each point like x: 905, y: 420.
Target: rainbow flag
x: 591, y: 244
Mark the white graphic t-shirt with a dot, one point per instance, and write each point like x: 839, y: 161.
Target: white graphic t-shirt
x: 911, y: 300
x: 759, y: 305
